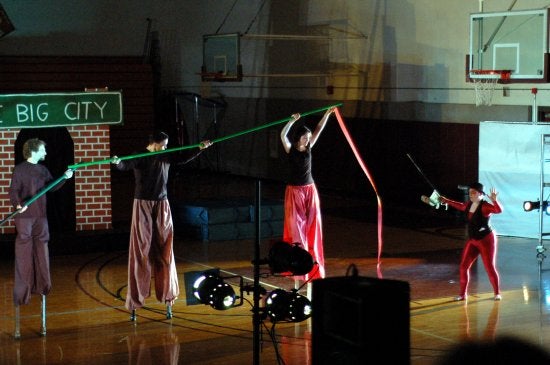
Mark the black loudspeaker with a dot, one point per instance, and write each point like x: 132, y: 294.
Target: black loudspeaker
x: 5, y: 24
x: 360, y: 320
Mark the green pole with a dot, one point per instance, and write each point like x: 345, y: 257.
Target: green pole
x: 34, y: 198
x: 45, y: 190
x: 273, y: 123
x: 175, y: 149
x: 169, y: 150
x: 129, y: 157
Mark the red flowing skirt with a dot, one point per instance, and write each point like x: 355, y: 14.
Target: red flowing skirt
x: 303, y: 225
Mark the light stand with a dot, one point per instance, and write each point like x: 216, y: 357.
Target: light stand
x: 280, y: 305
x: 256, y: 319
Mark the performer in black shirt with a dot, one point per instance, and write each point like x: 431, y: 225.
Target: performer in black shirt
x: 152, y: 232
x: 302, y: 222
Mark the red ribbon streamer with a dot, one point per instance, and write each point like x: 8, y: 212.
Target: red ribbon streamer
x: 367, y: 173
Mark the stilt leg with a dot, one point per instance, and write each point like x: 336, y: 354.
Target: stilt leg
x: 168, y: 311
x: 17, y: 333
x: 133, y: 315
x: 43, y: 316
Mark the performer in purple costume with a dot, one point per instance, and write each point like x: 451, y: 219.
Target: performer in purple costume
x: 32, y: 263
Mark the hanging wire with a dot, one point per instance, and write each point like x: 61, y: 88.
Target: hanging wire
x: 226, y: 16
x: 275, y: 342
x: 255, y: 17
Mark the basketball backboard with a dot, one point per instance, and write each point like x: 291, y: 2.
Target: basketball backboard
x: 511, y: 40
x: 221, y: 58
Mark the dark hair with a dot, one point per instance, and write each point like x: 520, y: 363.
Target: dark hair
x: 32, y: 145
x: 477, y: 186
x: 157, y: 137
x: 299, y: 132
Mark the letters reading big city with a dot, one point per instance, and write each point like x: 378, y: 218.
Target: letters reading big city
x: 60, y: 109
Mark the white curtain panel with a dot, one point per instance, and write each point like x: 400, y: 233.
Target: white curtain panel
x: 510, y: 161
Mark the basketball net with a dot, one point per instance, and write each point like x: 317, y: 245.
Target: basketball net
x: 484, y: 89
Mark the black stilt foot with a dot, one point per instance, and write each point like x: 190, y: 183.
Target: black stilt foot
x: 168, y: 312
x: 133, y: 315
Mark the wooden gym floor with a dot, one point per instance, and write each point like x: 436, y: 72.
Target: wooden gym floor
x: 88, y: 324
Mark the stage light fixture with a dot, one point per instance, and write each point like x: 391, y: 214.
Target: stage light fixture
x: 535, y: 205
x: 289, y: 258
x: 210, y: 288
x: 281, y: 305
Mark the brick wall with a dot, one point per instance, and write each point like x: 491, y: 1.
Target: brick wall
x: 92, y: 184
x: 7, y: 143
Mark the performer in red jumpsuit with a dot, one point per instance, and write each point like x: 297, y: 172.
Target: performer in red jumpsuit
x: 152, y: 231
x: 302, y: 222
x: 482, y: 239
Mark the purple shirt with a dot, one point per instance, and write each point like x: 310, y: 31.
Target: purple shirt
x: 27, y: 180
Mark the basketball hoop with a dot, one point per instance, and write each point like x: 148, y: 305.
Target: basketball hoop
x: 213, y: 76
x: 485, y: 82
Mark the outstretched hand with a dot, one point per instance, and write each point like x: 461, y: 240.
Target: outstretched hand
x: 205, y: 144
x: 330, y: 110
x: 493, y: 194
x: 20, y: 208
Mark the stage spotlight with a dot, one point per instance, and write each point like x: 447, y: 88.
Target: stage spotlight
x: 289, y: 258
x: 210, y: 288
x: 535, y: 205
x: 287, y: 306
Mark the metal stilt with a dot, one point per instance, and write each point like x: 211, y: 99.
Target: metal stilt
x: 43, y: 317
x: 168, y: 311
x: 133, y: 315
x: 17, y: 333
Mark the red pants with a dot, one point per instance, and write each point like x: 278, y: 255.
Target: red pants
x: 487, y: 248
x: 303, y: 224
x: 151, y: 245
x: 32, y: 262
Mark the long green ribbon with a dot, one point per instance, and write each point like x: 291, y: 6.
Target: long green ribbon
x: 175, y: 149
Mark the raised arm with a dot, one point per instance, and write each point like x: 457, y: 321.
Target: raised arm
x: 495, y: 207
x: 320, y: 126
x: 287, y: 144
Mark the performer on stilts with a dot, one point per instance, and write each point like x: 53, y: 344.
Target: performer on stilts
x: 482, y: 240
x: 302, y: 220
x: 152, y: 231
x: 32, y: 262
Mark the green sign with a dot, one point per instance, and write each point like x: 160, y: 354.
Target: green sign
x: 60, y: 109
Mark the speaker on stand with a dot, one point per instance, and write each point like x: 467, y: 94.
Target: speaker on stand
x: 355, y: 320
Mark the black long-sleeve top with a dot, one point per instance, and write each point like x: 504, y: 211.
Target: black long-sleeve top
x: 151, y: 174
